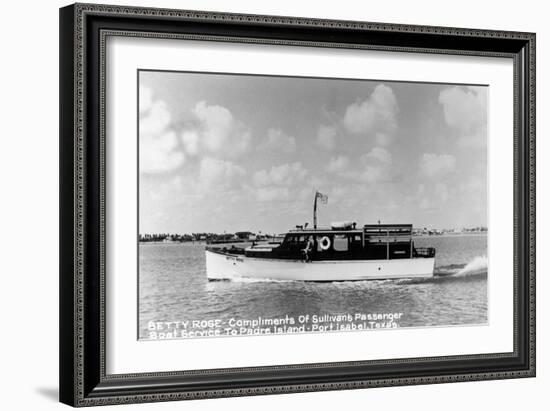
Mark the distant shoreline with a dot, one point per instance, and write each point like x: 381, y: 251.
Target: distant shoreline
x: 452, y: 234
x: 203, y: 242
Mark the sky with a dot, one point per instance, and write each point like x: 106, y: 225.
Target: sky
x: 225, y: 153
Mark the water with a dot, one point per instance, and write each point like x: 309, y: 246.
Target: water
x: 173, y: 287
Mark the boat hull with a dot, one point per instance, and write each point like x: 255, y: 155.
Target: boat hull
x: 225, y: 266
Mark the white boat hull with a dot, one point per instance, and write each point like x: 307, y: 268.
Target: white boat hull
x: 221, y: 266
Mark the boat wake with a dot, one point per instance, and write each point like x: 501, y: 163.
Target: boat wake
x: 477, y: 266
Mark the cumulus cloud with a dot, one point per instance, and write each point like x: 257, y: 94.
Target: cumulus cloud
x: 215, y: 131
x: 437, y: 165
x: 465, y: 110
x: 373, y: 167
x: 219, y: 173
x: 164, y: 146
x: 378, y: 154
x: 282, y: 175
x: 190, y: 140
x: 278, y: 140
x: 376, y: 115
x: 159, y: 153
x: 159, y: 150
x: 280, y: 183
x: 372, y: 174
x: 377, y: 164
x: 326, y: 137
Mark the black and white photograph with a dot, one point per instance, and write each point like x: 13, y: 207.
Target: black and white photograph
x: 275, y: 205
x: 282, y: 204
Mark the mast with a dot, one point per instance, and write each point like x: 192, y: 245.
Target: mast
x: 315, y: 211
x: 324, y: 200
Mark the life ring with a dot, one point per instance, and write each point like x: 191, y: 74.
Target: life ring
x: 324, y: 244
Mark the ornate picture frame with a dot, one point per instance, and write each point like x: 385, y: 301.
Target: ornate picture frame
x: 84, y: 83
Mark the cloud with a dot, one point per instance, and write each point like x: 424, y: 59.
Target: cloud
x: 280, y: 183
x: 282, y: 175
x: 266, y: 194
x: 373, y: 167
x: 465, y: 110
x: 376, y: 166
x: 338, y: 164
x: 372, y: 174
x: 145, y: 99
x: 219, y: 173
x: 190, y: 140
x: 159, y: 149
x: 154, y: 120
x: 215, y: 132
x: 326, y: 137
x: 437, y: 165
x: 376, y: 115
x: 278, y: 140
x: 159, y: 154
x: 378, y: 154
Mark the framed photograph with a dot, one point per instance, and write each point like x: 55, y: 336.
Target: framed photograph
x: 262, y: 204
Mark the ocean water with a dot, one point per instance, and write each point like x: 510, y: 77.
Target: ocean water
x: 174, y: 294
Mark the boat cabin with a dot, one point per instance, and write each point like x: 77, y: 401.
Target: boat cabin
x: 346, y: 242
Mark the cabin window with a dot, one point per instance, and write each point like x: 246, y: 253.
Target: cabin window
x: 356, y: 239
x: 340, y: 243
x: 356, y: 243
x: 294, y: 240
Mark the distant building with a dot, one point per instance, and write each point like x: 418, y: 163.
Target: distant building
x: 245, y: 235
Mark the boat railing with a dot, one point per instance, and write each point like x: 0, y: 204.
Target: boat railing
x: 230, y: 250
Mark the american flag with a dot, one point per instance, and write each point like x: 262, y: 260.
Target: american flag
x: 323, y: 198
